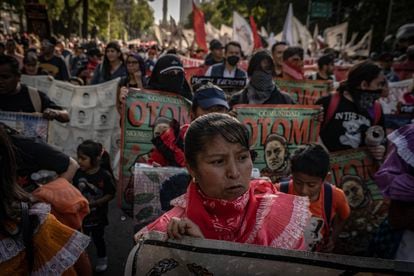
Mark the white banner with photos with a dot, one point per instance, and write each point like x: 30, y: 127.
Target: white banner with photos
x: 92, y: 109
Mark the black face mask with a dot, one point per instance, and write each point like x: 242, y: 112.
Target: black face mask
x: 233, y: 60
x: 171, y: 83
x: 366, y: 98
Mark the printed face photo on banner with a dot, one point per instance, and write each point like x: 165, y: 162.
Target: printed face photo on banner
x: 104, y: 118
x: 85, y: 97
x: 277, y: 130
x: 81, y: 117
x: 61, y: 93
x: 107, y: 96
x: 304, y: 92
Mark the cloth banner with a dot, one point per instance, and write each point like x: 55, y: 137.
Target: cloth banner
x: 243, y: 34
x: 199, y: 27
x: 277, y: 130
x: 41, y: 83
x: 28, y: 124
x: 147, y: 184
x: 304, y: 92
x: 353, y: 171
x: 154, y: 255
x: 363, y: 47
x: 92, y: 111
x: 142, y: 108
x: 398, y: 106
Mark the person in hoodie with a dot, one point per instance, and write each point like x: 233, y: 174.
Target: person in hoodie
x: 168, y: 75
x: 261, y: 88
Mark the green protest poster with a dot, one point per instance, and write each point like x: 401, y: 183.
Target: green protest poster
x: 353, y: 171
x: 305, y: 92
x: 276, y: 131
x: 140, y: 112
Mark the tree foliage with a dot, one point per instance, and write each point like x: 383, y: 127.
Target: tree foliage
x: 361, y: 14
x: 112, y: 20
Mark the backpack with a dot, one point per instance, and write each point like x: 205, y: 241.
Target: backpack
x: 327, y: 200
x: 333, y: 105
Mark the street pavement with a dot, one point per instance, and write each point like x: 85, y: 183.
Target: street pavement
x: 119, y: 241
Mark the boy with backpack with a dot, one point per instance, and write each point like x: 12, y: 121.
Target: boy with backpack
x: 328, y: 205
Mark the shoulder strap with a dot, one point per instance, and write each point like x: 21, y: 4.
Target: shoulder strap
x: 333, y: 105
x: 27, y: 233
x: 377, y: 112
x: 35, y: 99
x: 327, y: 203
x: 284, y: 187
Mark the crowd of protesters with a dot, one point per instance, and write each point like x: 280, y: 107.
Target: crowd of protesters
x: 214, y: 147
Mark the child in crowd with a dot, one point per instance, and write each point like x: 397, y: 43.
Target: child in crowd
x: 329, y: 208
x: 95, y: 180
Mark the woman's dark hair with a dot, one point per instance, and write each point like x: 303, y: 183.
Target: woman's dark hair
x: 311, y: 159
x: 141, y: 64
x: 106, y: 66
x: 235, y: 44
x: 363, y: 71
x: 203, y: 129
x: 11, y: 194
x: 256, y: 60
x: 96, y: 153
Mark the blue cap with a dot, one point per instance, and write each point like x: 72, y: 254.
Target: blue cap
x: 208, y: 96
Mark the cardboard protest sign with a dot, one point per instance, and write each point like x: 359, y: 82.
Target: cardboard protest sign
x: 28, y: 124
x: 398, y: 106
x: 141, y: 110
x: 147, y: 184
x: 304, y: 92
x: 154, y: 255
x: 353, y: 171
x: 276, y: 130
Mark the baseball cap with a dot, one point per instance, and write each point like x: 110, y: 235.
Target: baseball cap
x: 215, y: 44
x: 210, y: 95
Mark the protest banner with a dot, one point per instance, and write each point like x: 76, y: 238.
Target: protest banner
x: 277, y: 130
x: 229, y: 85
x: 141, y: 110
x: 154, y: 254
x: 304, y: 92
x: 353, y: 171
x: 147, y: 184
x: 93, y: 115
x: 398, y: 106
x: 28, y: 124
x: 191, y: 62
x: 41, y: 83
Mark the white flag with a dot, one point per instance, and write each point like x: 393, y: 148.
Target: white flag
x: 352, y: 41
x: 242, y: 33
x: 363, y: 46
x: 335, y: 36
x: 211, y: 32
x: 302, y: 33
x: 226, y: 33
x: 288, y: 28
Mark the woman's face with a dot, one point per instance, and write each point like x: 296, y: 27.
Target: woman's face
x: 132, y: 65
x: 223, y: 169
x: 112, y: 54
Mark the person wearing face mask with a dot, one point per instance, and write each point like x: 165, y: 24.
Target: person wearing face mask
x: 261, y: 88
x: 168, y: 76
x: 292, y: 65
x: 353, y: 109
x: 228, y: 69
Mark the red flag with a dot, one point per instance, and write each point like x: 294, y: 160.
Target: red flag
x: 199, y: 29
x: 256, y: 36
